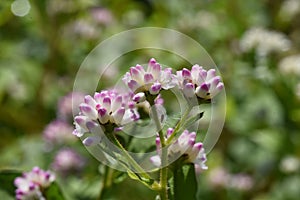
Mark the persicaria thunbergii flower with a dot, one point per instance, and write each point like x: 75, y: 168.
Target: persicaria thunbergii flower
x: 30, y: 184
x: 58, y: 132
x: 150, y: 81
x: 68, y: 105
x: 67, y: 161
x: 185, y: 146
x: 200, y: 82
x: 105, y: 108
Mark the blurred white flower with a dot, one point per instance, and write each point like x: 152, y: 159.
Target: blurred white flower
x: 206, y: 20
x: 201, y: 20
x: 290, y: 164
x: 241, y: 182
x: 85, y: 29
x: 290, y: 65
x: 264, y: 41
x: 289, y: 9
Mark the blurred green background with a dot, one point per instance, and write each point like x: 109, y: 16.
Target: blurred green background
x: 255, y: 44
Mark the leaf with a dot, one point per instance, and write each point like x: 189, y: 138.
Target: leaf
x: 7, y: 178
x: 192, y: 120
x: 133, y: 175
x: 53, y: 192
x: 185, y: 183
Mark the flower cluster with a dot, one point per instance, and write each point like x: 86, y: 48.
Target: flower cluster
x: 105, y: 110
x: 58, y: 132
x: 220, y: 177
x: 185, y: 146
x: 109, y: 110
x: 151, y: 81
x: 67, y: 161
x: 31, y: 184
x: 290, y: 65
x: 264, y: 41
x: 289, y: 9
x: 197, y: 81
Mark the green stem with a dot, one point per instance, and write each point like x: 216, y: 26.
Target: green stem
x: 164, y: 156
x: 136, y: 166
x: 106, y: 183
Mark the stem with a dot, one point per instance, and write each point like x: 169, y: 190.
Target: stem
x: 106, y: 183
x: 137, y: 167
x: 164, y: 156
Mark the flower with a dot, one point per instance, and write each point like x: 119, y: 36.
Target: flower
x: 67, y: 161
x: 102, y: 15
x: 264, y: 41
x: 99, y: 113
x: 185, y: 146
x: 290, y: 65
x: 220, y: 177
x: 151, y: 81
x: 197, y: 81
x: 58, y: 132
x: 290, y: 164
x: 242, y: 182
x: 67, y: 103
x: 30, y: 184
x: 289, y: 9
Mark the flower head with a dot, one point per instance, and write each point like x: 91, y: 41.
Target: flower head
x: 30, y: 185
x: 150, y: 81
x: 67, y: 161
x: 290, y: 65
x: 264, y: 41
x: 106, y: 109
x: 58, y: 132
x: 197, y: 81
x: 186, y: 147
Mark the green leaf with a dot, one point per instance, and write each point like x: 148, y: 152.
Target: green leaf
x: 7, y: 178
x: 185, y: 183
x: 133, y: 175
x: 193, y: 119
x: 53, y: 192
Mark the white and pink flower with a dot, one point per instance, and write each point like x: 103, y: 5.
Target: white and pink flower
x: 200, y: 82
x: 152, y: 80
x: 30, y: 184
x: 185, y: 145
x: 106, y: 107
